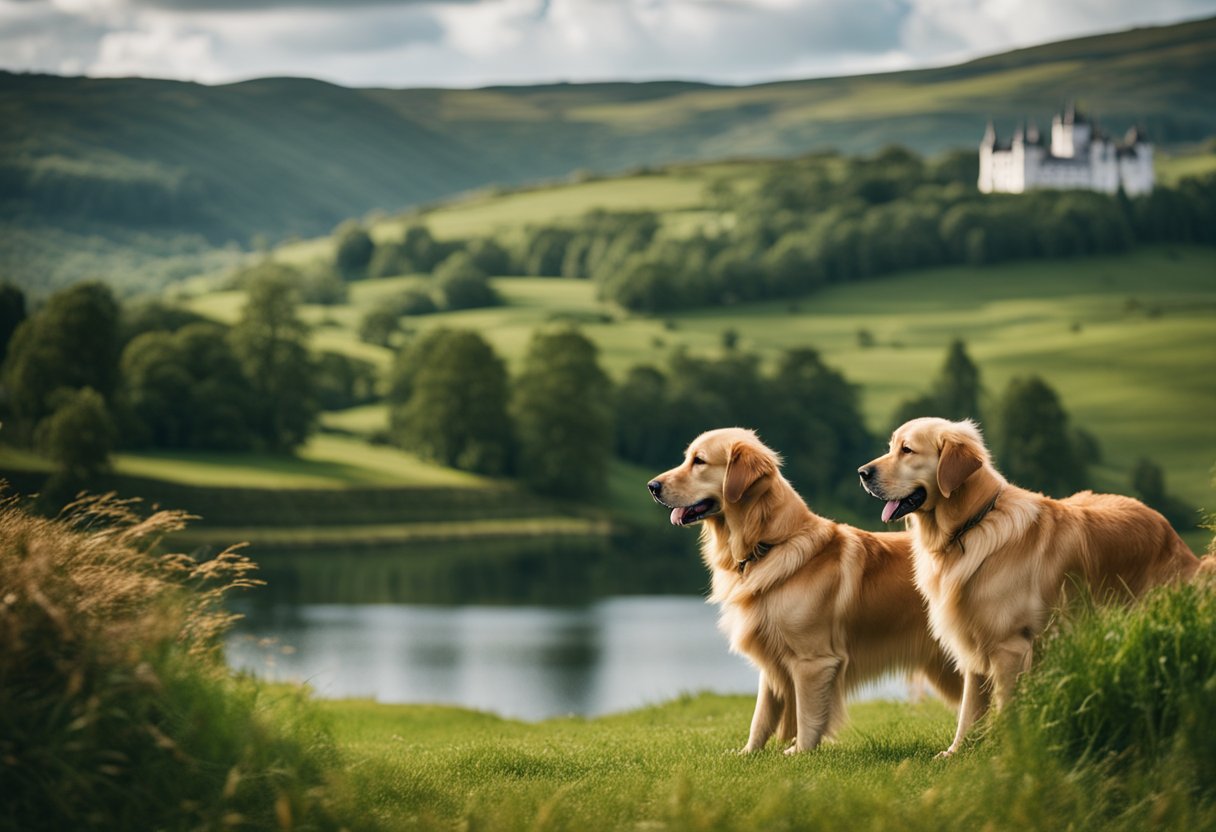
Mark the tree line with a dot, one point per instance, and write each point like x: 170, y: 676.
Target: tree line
x: 808, y: 222
x: 83, y: 376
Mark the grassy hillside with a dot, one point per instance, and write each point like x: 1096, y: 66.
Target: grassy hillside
x: 275, y: 157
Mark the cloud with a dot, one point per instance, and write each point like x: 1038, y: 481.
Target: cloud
x: 480, y: 42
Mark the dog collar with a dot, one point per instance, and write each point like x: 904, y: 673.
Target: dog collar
x: 973, y: 521
x: 760, y: 551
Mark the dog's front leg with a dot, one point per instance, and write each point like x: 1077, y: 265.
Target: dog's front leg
x: 975, y: 702
x: 769, y: 708
x: 815, y: 692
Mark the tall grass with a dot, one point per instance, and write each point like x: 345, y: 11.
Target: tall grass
x: 116, y: 711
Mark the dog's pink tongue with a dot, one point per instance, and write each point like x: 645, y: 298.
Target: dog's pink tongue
x: 887, y: 510
x: 677, y: 516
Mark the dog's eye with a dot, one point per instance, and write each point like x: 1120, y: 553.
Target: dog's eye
x: 696, y: 460
x: 906, y: 450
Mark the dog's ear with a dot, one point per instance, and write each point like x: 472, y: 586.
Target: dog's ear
x: 958, y: 461
x: 747, y: 466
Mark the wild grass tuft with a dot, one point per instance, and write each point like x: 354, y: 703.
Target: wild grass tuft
x: 1130, y: 685
x: 116, y: 711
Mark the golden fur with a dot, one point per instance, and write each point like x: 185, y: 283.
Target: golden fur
x: 823, y: 610
x: 992, y: 579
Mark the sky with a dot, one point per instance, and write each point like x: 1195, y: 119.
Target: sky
x: 468, y: 43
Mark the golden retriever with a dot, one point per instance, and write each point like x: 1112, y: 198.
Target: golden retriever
x: 993, y: 560
x: 817, y: 606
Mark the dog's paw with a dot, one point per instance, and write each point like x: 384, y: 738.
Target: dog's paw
x: 944, y: 755
x: 792, y: 750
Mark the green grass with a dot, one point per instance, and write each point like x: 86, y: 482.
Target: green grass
x: 325, y: 461
x: 670, y: 766
x: 1173, y: 167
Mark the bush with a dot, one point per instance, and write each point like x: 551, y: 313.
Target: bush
x: 463, y: 284
x: 1137, y: 684
x: 116, y: 711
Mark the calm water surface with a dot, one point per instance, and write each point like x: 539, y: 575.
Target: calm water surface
x: 521, y: 662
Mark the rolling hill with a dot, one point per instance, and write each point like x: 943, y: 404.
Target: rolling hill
x: 133, y: 171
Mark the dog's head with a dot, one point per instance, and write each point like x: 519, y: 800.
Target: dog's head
x: 929, y: 460
x: 723, y: 470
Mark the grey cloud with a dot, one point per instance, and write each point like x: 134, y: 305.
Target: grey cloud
x: 264, y: 5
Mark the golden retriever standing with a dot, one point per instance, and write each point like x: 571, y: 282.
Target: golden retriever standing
x: 817, y: 606
x: 993, y: 560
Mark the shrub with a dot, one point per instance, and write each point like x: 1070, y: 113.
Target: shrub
x: 1133, y: 683
x: 116, y: 711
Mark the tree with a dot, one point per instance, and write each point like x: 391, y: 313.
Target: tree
x: 1148, y: 482
x: 185, y: 389
x: 1033, y: 442
x: 269, y: 342
x: 815, y: 418
x: 645, y: 421
x: 563, y: 416
x: 380, y: 325
x: 12, y: 313
x: 354, y: 251
x: 78, y: 436
x: 449, y: 394
x: 463, y: 284
x: 957, y: 388
x: 72, y: 342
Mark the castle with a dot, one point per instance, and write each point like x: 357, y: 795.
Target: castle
x: 1080, y: 156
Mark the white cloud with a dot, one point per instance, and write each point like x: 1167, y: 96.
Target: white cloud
x: 476, y: 42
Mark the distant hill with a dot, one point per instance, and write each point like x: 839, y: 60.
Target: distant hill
x: 104, y: 158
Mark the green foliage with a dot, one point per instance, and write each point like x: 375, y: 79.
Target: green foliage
x: 270, y: 343
x: 71, y: 343
x: 803, y: 407
x: 154, y: 316
x: 116, y: 711
x: 449, y: 395
x: 353, y: 252
x: 1148, y: 483
x: 416, y: 302
x: 12, y: 313
x: 1034, y: 447
x: 342, y: 381
x: 1135, y: 683
x: 78, y: 436
x: 463, y: 284
x: 185, y: 389
x: 380, y: 325
x: 562, y: 405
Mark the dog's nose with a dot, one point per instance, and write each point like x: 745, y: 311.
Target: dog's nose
x: 865, y: 471
x: 655, y: 487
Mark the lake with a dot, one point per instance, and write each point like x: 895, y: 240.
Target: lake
x: 524, y: 662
